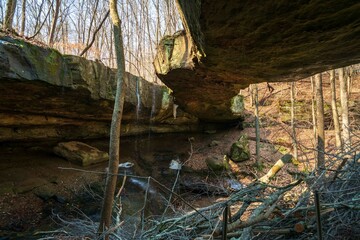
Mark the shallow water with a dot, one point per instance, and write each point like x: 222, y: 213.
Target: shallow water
x: 20, y: 165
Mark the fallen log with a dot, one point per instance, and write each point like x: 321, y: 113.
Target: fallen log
x: 287, y: 158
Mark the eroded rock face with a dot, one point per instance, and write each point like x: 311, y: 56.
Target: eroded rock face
x: 208, y: 99
x: 228, y: 45
x: 45, y: 95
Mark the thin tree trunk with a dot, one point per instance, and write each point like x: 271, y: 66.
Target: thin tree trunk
x: 114, y: 148
x: 251, y: 95
x: 313, y: 109
x: 53, y: 24
x: 23, y: 17
x: 40, y: 27
x: 111, y: 50
x: 334, y: 110
x: 91, y: 23
x: 79, y: 26
x: 63, y: 37
x: 38, y: 17
x: 257, y: 126
x: 320, y: 146
x: 344, y: 111
x: 94, y: 34
x: 349, y: 79
x: 294, y: 142
x: 9, y: 15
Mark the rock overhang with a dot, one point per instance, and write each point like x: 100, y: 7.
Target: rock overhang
x: 49, y: 96
x: 228, y: 45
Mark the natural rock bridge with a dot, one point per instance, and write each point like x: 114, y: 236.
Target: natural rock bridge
x: 228, y: 45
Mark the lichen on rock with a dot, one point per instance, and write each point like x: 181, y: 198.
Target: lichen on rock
x: 217, y: 163
x: 240, y: 151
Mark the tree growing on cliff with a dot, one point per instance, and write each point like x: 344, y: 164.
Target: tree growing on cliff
x: 114, y: 148
x: 54, y: 21
x: 9, y: 15
x: 23, y: 17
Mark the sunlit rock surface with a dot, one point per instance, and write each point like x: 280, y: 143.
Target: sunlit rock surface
x: 228, y: 45
x: 44, y: 96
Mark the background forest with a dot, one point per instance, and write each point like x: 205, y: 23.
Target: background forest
x: 71, y: 26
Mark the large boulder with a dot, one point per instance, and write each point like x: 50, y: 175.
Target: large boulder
x: 228, y: 45
x: 80, y: 153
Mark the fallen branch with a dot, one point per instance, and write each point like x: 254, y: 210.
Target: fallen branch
x: 287, y: 158
x: 269, y: 205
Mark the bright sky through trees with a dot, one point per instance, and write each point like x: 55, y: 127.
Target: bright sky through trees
x: 144, y: 22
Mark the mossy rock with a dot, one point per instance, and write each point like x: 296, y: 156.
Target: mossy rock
x: 217, y: 163
x: 33, y: 62
x: 240, y: 150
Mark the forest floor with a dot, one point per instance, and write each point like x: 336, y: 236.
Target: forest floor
x: 35, y: 185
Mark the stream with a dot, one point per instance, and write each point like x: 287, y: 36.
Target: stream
x: 77, y: 195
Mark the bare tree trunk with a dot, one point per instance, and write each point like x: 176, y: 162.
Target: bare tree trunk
x: 9, y: 15
x: 334, y: 110
x: 251, y: 95
x: 53, y: 24
x: 349, y: 78
x: 114, y: 148
x: 320, y: 146
x: 64, y: 37
x: 91, y: 23
x: 38, y: 21
x: 41, y: 25
x: 313, y: 109
x: 344, y: 111
x: 294, y: 142
x: 257, y: 125
x: 111, y: 51
x: 23, y: 17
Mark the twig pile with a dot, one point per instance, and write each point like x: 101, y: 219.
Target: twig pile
x: 261, y: 211
x: 262, y: 214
